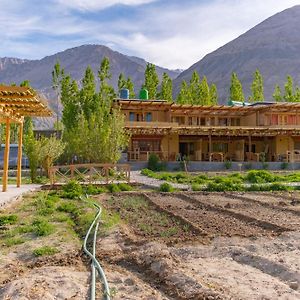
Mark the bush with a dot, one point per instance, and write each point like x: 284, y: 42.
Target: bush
x: 268, y: 187
x: 147, y: 172
x: 197, y: 187
x: 113, y: 188
x: 42, y: 227
x: 227, y: 164
x: 166, y: 188
x: 154, y: 163
x: 8, y: 219
x: 124, y: 187
x: 222, y: 184
x: 260, y: 176
x: 72, y: 190
x: 94, y: 190
x: 68, y: 207
x: 45, y: 250
x: 284, y: 165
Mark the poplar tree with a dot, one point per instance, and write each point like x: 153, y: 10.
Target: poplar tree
x: 151, y: 80
x: 236, y: 89
x: 184, y: 96
x: 57, y: 76
x: 166, y: 88
x: 204, y: 93
x: 213, y: 94
x: 194, y: 88
x: 289, y: 89
x: 277, y: 96
x: 87, y: 93
x: 130, y: 87
x: 257, y: 87
x: 106, y: 91
x: 121, y: 82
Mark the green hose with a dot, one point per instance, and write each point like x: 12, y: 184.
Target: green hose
x: 95, y: 264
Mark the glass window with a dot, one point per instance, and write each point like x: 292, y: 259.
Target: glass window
x: 146, y: 145
x: 131, y: 116
x: 149, y: 117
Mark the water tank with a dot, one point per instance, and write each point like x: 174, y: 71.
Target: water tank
x: 124, y: 94
x: 143, y: 94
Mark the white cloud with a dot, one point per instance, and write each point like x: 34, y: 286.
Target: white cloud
x: 174, y: 36
x: 99, y: 4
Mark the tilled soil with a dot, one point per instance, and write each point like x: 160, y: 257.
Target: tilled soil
x: 237, y: 249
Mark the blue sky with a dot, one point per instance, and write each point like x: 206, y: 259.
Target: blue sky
x: 170, y: 33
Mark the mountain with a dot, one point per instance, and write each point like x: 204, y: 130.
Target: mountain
x: 74, y: 61
x: 272, y: 46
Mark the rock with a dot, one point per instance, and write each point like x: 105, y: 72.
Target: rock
x: 294, y: 285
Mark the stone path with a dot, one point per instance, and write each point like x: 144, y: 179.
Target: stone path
x: 136, y: 176
x: 13, y: 193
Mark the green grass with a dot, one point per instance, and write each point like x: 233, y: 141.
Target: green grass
x: 11, y: 241
x: 45, y: 251
x: 41, y: 227
x: 8, y: 219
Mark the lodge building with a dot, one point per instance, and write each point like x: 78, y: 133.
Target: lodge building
x: 264, y: 131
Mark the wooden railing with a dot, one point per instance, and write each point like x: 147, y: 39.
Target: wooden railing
x: 90, y: 173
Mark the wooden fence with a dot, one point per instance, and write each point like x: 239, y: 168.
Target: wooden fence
x: 90, y: 173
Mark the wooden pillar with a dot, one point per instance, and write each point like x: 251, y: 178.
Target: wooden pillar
x: 20, y: 145
x: 6, y: 156
x: 209, y: 146
x: 250, y: 144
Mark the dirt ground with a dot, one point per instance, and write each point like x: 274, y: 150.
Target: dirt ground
x: 238, y: 246
x: 183, y: 245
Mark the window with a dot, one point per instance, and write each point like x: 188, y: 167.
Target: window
x: 131, y: 116
x: 223, y: 122
x: 149, y: 117
x: 220, y: 147
x: 235, y: 122
x: 190, y: 121
x: 146, y: 145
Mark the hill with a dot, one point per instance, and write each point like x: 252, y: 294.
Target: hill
x: 273, y: 46
x: 74, y: 61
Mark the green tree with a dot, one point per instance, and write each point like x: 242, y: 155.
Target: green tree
x: 121, y: 82
x: 57, y: 76
x: 289, y: 89
x: 277, y: 96
x: 151, y: 80
x: 204, y: 92
x: 32, y: 151
x: 184, y: 96
x: 213, y: 94
x: 50, y: 149
x: 87, y: 101
x: 257, y: 87
x: 130, y: 87
x: 106, y: 92
x: 194, y: 88
x: 297, y: 94
x: 166, y: 88
x: 236, y: 89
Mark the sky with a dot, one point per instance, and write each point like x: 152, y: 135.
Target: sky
x: 170, y: 33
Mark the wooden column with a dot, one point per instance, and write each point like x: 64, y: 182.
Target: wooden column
x: 19, y: 166
x: 209, y: 146
x: 250, y: 144
x: 6, y: 156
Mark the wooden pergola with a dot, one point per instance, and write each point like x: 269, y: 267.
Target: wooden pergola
x: 15, y: 104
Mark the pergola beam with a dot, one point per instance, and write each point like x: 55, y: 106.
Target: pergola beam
x: 6, y: 156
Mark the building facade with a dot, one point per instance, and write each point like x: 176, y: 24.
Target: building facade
x: 257, y: 132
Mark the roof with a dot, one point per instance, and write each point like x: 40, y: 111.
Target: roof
x: 18, y: 102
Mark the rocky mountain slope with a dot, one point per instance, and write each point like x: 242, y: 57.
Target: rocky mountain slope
x: 273, y: 46
x: 75, y: 61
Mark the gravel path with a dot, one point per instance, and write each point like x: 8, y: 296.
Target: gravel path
x: 136, y: 176
x: 14, y: 193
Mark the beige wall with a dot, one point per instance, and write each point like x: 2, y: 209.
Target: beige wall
x: 283, y: 144
x: 248, y: 120
x: 170, y: 144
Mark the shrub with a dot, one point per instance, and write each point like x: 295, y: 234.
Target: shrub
x: 94, y: 190
x: 68, y: 207
x: 284, y: 165
x: 72, y: 190
x: 42, y: 227
x: 225, y: 185
x: 268, y: 187
x: 147, y: 172
x: 166, y: 188
x: 125, y: 187
x: 227, y: 164
x: 113, y: 188
x: 45, y: 250
x: 8, y: 219
x: 260, y: 176
x: 153, y: 162
x: 196, y: 187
